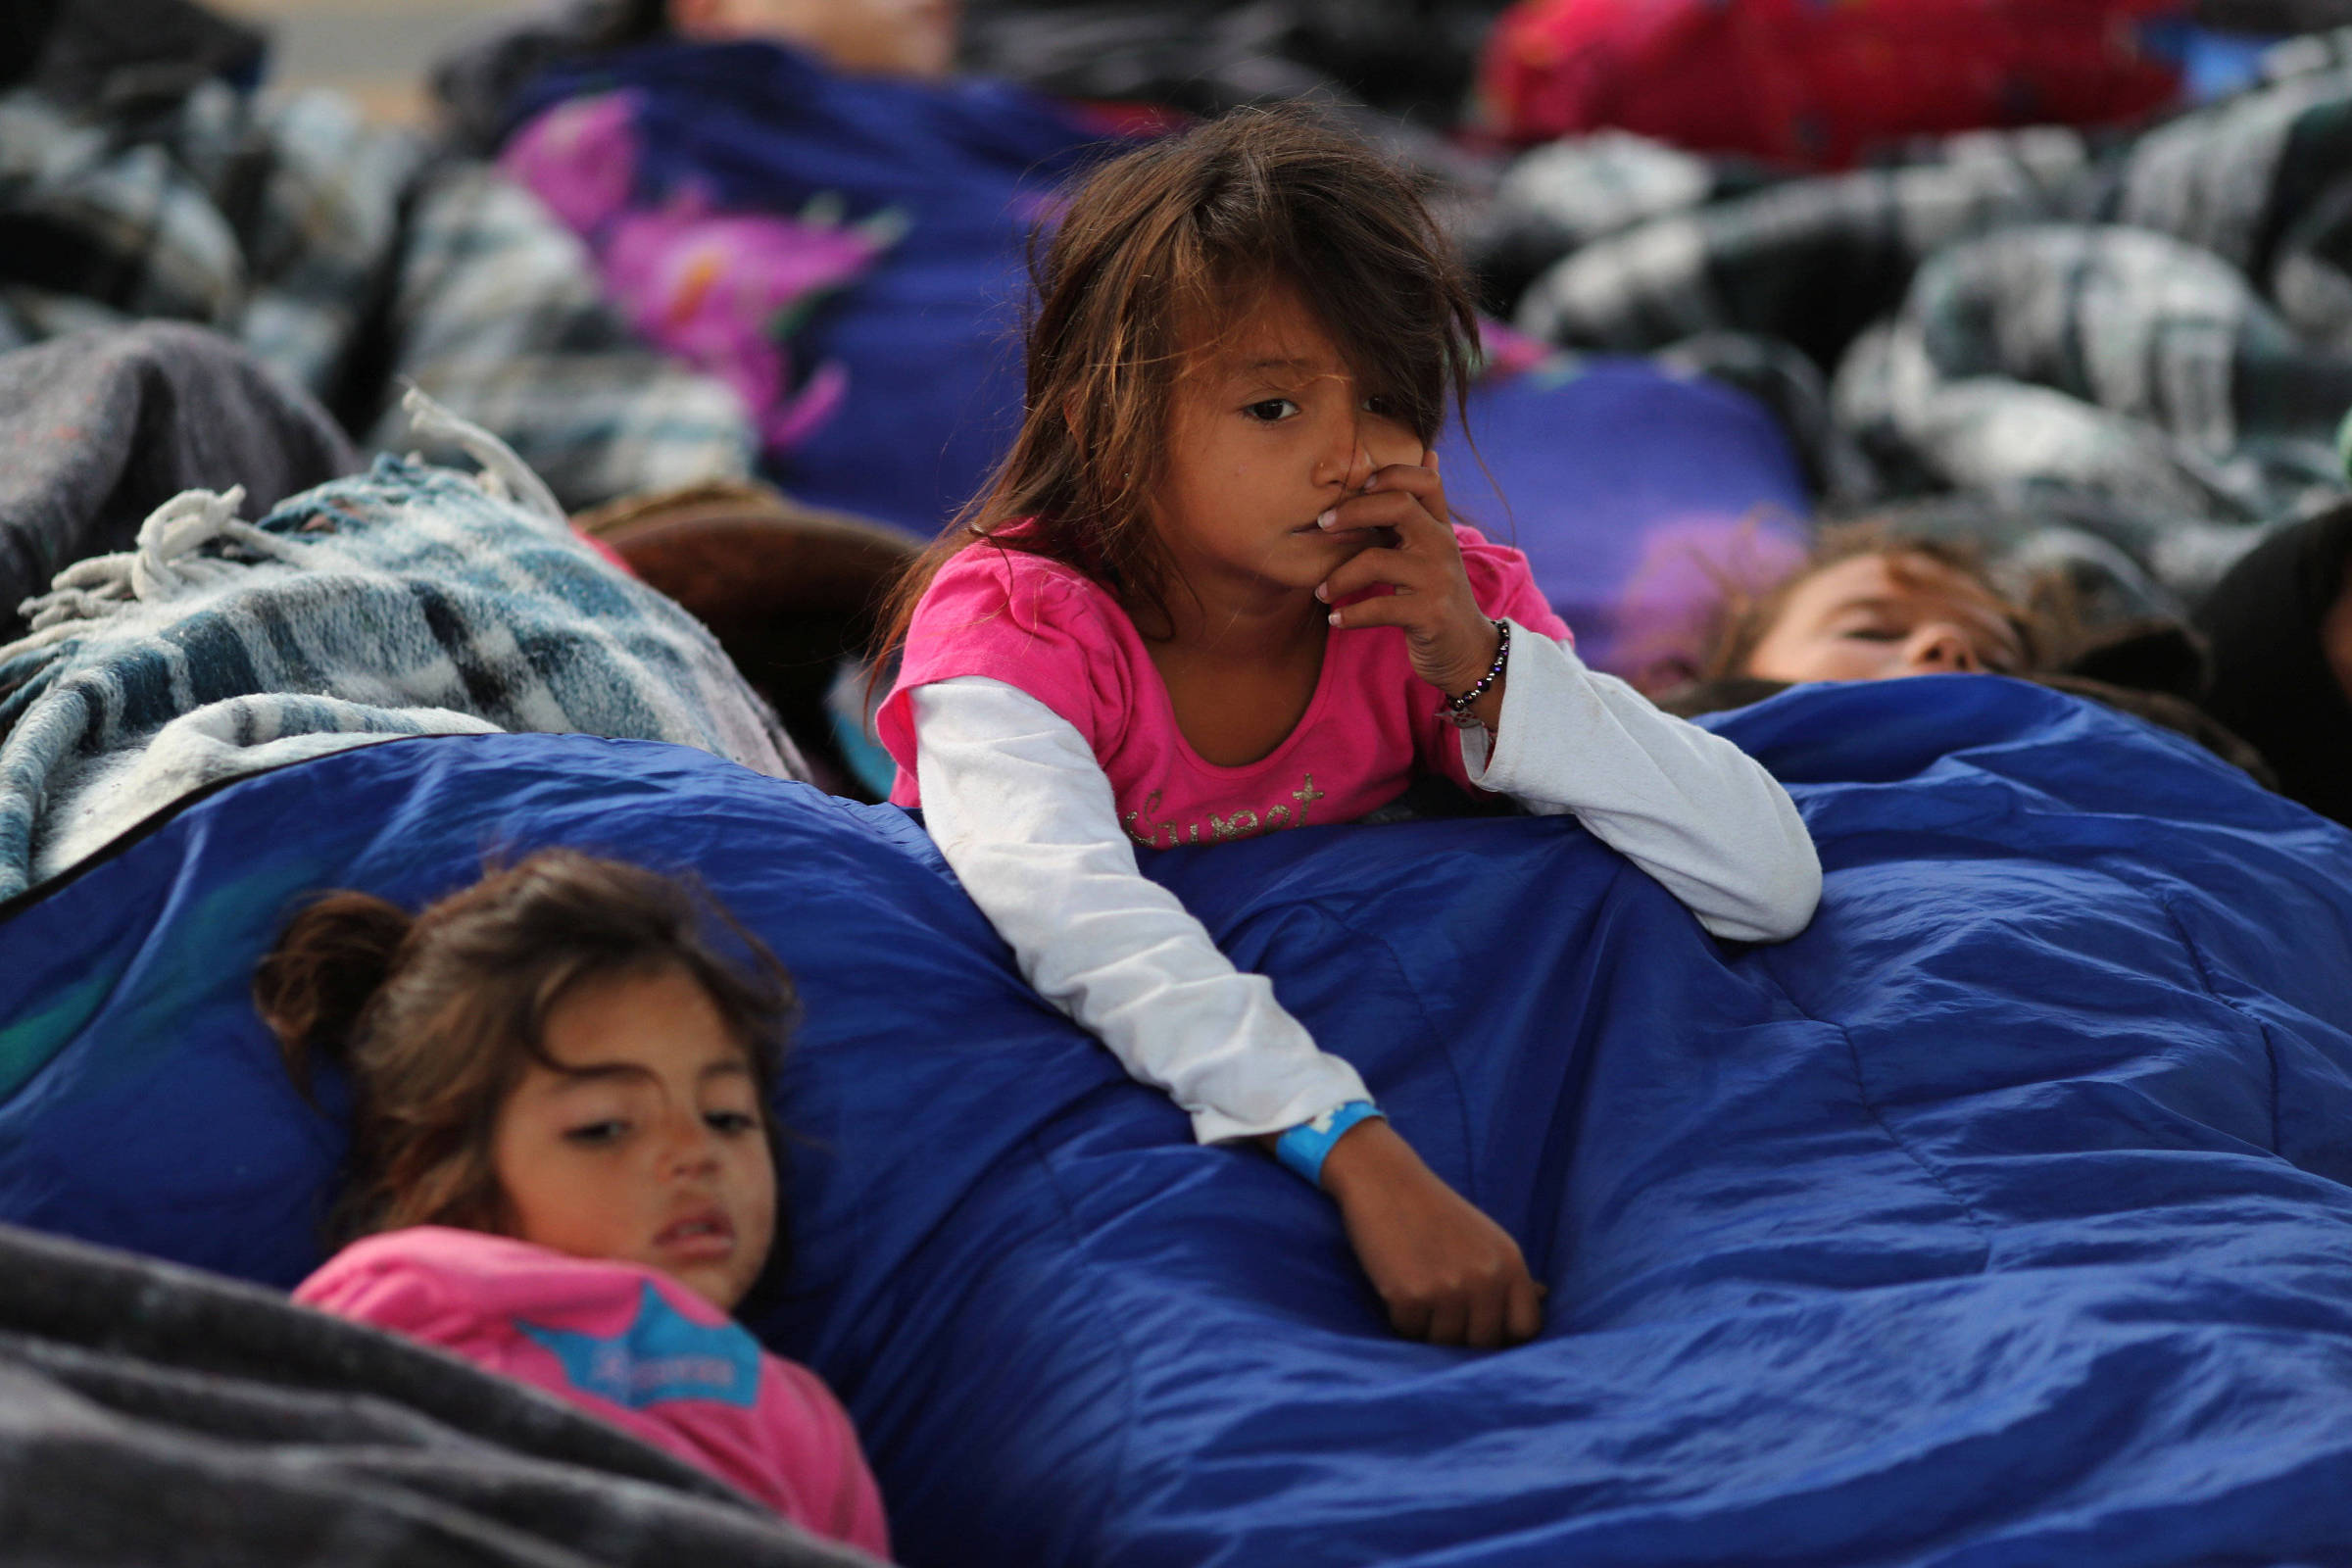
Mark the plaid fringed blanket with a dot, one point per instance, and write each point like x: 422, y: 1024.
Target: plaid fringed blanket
x: 2150, y: 335
x: 348, y: 260
x: 412, y: 600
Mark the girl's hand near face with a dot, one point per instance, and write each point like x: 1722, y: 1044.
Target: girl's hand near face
x: 1453, y: 642
x: 1449, y: 1274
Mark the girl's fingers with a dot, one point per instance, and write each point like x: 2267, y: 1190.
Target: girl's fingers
x: 1411, y: 476
x: 1398, y: 496
x: 1486, y: 1315
x: 1381, y: 509
x: 1370, y: 568
x: 1421, y: 483
x: 1450, y: 1324
x: 1411, y: 1319
x: 1424, y: 565
x: 1408, y: 610
x: 1525, y: 1319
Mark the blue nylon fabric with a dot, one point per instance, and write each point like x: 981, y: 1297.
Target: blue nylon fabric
x: 2002, y: 1217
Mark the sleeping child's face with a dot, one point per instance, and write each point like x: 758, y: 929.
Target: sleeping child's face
x: 1884, y: 614
x: 648, y: 1147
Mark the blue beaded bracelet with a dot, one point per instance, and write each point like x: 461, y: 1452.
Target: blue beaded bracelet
x: 1457, y: 709
x: 1304, y: 1147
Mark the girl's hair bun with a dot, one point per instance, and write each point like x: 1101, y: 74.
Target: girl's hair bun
x: 316, y: 984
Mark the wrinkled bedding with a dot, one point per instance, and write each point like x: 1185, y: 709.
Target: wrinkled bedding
x: 408, y: 600
x: 2001, y: 1216
x: 155, y: 1418
x: 350, y: 259
x: 2123, y: 351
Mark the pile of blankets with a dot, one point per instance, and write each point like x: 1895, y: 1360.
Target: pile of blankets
x: 2129, y: 353
x: 348, y: 257
x: 1406, y: 57
x: 409, y: 601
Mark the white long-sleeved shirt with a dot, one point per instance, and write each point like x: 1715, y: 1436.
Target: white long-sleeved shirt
x: 1017, y: 804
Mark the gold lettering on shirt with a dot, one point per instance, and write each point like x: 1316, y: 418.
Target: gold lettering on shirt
x: 1148, y: 835
x: 1307, y: 797
x: 1221, y: 829
x: 1154, y: 832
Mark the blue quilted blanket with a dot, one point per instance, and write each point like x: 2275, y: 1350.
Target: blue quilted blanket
x: 2000, y: 1218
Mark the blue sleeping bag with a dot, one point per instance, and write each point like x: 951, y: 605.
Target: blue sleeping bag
x: 1999, y: 1218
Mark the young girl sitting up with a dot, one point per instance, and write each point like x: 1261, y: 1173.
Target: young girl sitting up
x: 563, y: 1162
x: 1215, y: 590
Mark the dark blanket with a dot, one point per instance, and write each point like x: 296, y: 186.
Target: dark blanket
x: 120, y: 54
x: 102, y: 427
x: 2274, y: 679
x: 153, y: 1418
x: 1408, y: 56
x: 2155, y: 332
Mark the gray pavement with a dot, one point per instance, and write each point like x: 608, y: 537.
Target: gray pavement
x: 376, y: 50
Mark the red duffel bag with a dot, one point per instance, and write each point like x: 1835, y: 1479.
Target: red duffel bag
x: 1816, y: 82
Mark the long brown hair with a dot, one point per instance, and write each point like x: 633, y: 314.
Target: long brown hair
x: 1163, y: 251
x: 437, y: 1017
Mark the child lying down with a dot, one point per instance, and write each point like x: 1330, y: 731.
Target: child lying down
x: 562, y: 1160
x: 1870, y: 602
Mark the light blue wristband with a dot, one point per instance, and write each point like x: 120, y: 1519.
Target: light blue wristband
x: 1307, y: 1145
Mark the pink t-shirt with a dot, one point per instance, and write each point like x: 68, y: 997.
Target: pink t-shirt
x: 628, y: 1345
x: 1058, y: 635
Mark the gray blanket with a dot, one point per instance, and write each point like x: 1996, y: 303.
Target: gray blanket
x: 152, y: 1417
x: 349, y: 258
x: 2151, y: 333
x: 100, y: 428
